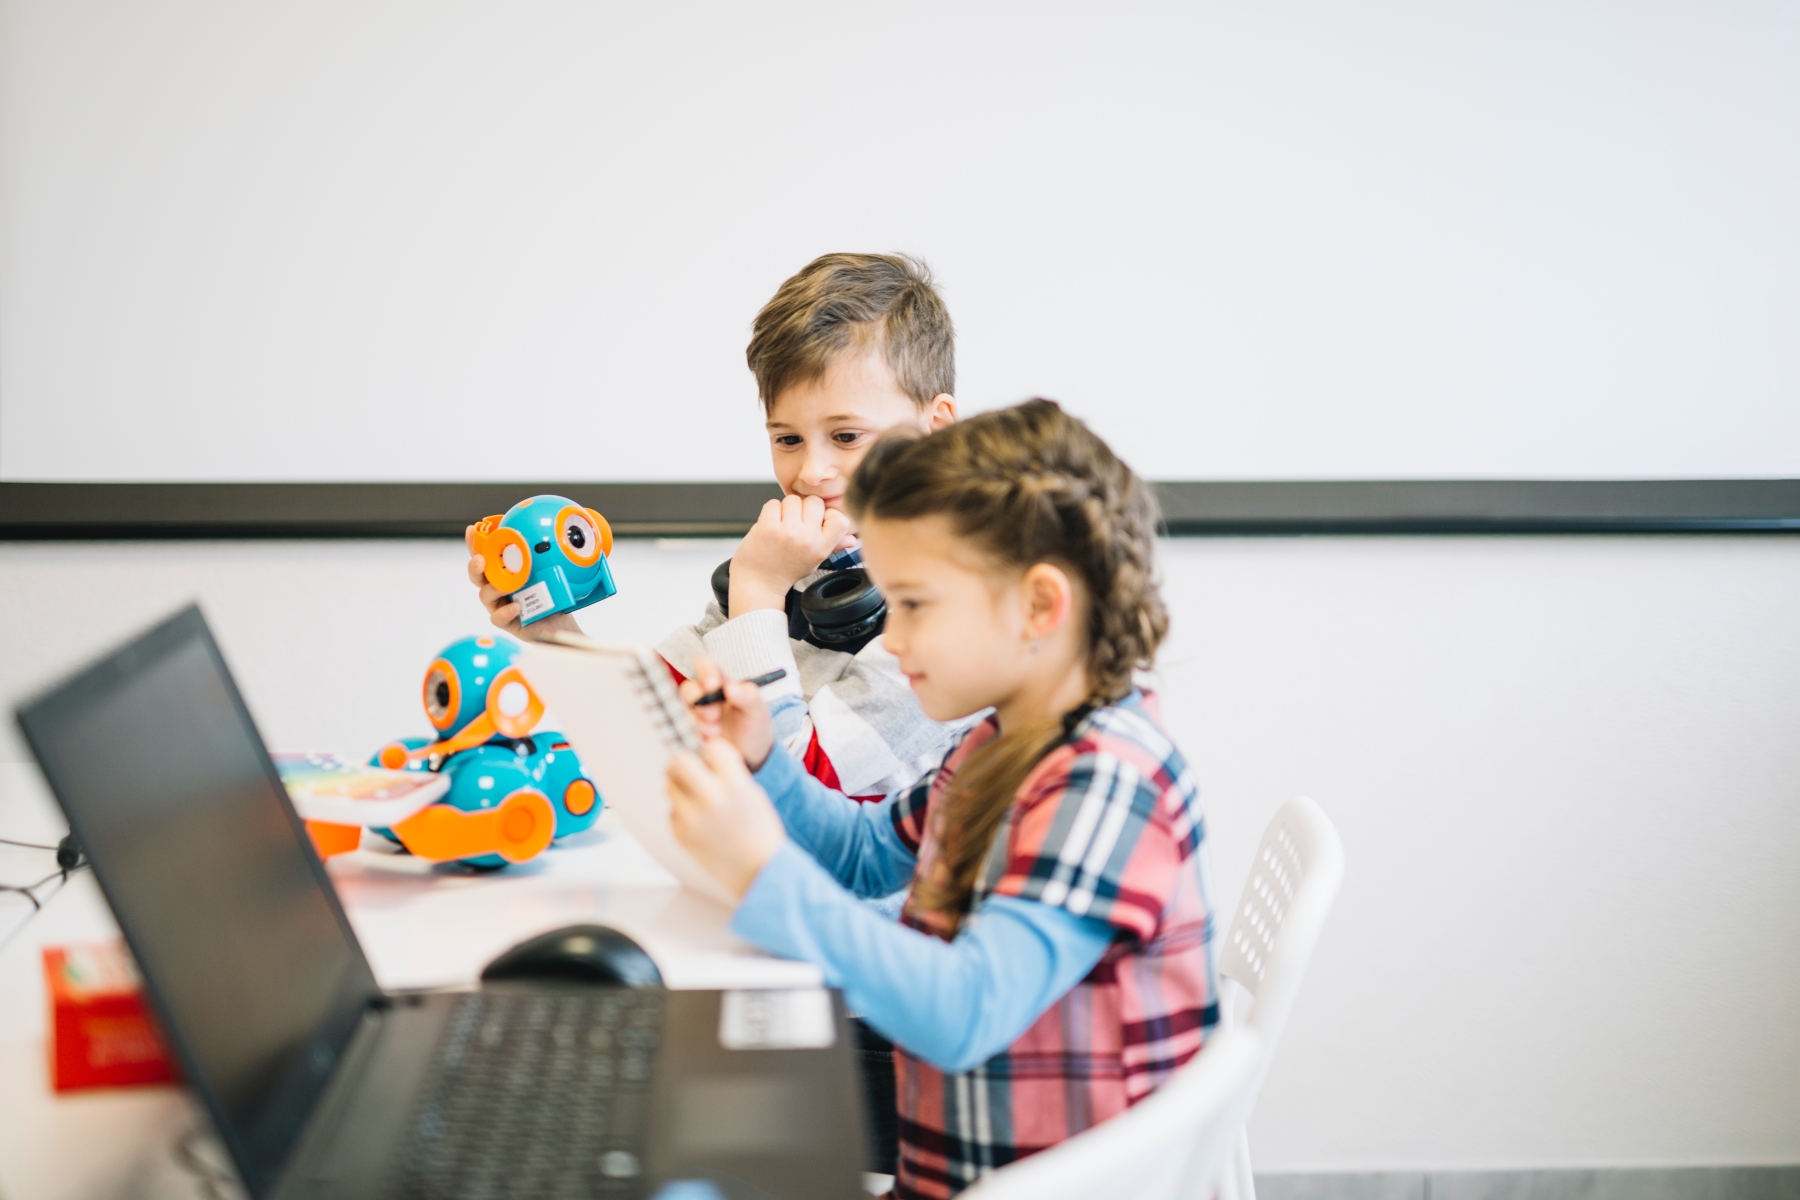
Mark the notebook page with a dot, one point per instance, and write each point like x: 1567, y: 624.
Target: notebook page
x: 625, y: 728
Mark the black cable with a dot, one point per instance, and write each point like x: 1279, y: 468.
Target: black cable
x: 69, y: 859
x: 29, y: 891
x: 36, y: 904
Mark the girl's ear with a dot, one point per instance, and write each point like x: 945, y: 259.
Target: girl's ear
x: 1049, y: 596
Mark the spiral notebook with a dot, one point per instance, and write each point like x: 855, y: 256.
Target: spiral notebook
x: 618, y: 705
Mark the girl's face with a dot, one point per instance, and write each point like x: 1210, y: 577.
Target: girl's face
x: 961, y: 626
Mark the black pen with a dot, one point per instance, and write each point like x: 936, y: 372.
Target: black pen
x: 717, y: 695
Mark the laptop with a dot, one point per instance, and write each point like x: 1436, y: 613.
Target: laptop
x: 319, y: 1083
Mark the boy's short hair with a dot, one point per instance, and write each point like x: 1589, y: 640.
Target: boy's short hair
x: 845, y: 302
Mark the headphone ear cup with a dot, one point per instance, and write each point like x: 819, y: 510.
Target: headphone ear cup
x: 721, y: 586
x: 844, y: 608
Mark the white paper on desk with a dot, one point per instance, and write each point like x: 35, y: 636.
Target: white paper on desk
x: 593, y: 689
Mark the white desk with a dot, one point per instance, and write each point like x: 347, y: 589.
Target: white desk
x: 420, y: 927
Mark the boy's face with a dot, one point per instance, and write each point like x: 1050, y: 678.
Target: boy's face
x: 819, y: 430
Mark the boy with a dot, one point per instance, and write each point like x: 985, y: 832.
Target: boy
x: 850, y: 347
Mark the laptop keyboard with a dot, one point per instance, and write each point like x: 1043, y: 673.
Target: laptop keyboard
x: 536, y: 1093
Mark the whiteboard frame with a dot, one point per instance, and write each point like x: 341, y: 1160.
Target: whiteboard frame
x: 37, y: 511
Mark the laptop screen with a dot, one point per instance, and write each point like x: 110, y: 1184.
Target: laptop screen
x: 242, y: 944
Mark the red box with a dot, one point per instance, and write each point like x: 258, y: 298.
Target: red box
x: 101, y: 1030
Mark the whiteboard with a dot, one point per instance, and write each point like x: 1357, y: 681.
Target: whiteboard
x: 388, y: 240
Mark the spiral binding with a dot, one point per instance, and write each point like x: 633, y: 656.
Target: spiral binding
x: 657, y: 694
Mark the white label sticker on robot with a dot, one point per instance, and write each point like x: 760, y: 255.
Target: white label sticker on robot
x: 785, y: 1019
x: 534, y: 601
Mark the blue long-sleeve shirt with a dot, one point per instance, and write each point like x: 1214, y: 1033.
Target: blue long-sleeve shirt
x: 954, y: 1004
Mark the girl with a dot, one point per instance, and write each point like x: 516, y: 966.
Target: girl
x: 1054, y: 964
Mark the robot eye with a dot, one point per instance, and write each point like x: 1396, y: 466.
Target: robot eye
x: 438, y: 696
x: 578, y: 533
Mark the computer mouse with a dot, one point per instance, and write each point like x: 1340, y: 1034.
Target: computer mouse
x: 578, y: 954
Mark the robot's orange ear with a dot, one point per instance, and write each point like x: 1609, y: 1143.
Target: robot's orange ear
x: 507, y: 553
x: 480, y: 529
x: 604, y: 530
x: 512, y: 704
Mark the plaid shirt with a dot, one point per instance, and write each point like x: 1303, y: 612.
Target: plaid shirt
x: 1108, y: 826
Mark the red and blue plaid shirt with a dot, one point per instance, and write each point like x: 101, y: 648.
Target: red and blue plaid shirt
x: 1106, y: 826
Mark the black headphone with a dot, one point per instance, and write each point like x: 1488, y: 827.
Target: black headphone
x: 841, y: 611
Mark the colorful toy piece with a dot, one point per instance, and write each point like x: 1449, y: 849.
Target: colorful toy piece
x: 548, y: 553
x: 338, y: 800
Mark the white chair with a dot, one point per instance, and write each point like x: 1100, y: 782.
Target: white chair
x: 1293, y: 880
x: 1165, y: 1147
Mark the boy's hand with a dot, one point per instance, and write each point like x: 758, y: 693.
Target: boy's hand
x: 503, y: 612
x: 723, y: 818
x: 743, y: 719
x: 789, y: 540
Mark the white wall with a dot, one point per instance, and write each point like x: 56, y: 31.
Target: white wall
x: 346, y: 239
x: 1566, y: 772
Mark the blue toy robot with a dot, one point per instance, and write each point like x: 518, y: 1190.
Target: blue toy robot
x: 484, y: 712
x: 547, y: 553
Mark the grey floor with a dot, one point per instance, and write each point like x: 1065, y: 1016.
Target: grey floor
x: 1700, y: 1183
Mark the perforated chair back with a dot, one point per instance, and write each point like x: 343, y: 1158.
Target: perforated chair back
x: 1168, y: 1146
x: 1293, y: 882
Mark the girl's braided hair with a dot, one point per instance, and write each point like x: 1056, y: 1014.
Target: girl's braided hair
x: 1025, y: 485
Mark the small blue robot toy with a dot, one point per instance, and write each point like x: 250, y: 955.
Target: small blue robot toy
x: 485, y: 715
x: 547, y: 553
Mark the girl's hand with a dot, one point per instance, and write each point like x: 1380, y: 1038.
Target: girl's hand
x: 723, y: 818
x: 743, y: 719
x: 790, y: 539
x: 504, y: 612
